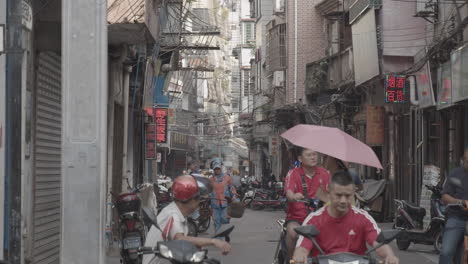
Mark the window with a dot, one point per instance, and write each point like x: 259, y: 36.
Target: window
x: 246, y: 82
x: 249, y: 32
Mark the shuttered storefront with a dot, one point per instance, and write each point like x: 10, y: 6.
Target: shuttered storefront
x: 47, y: 161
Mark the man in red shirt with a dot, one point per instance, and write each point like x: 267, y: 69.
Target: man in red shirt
x: 342, y: 227
x: 316, y: 180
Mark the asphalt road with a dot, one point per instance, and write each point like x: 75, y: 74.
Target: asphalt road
x: 255, y: 237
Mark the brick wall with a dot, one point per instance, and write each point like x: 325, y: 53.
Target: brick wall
x: 311, y: 43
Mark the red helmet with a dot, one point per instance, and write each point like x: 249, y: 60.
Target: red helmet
x: 184, y: 188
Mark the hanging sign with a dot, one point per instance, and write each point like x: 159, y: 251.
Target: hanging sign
x: 395, y: 88
x: 2, y: 39
x: 161, y: 118
x: 150, y: 141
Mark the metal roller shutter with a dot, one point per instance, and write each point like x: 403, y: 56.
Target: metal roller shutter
x: 47, y: 162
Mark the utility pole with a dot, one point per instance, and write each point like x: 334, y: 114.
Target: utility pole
x: 84, y: 136
x: 2, y: 127
x: 14, y: 77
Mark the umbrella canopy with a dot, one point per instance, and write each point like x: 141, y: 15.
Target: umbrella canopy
x: 333, y: 142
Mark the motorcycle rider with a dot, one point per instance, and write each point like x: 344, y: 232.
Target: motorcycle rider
x: 172, y: 220
x: 452, y: 242
x: 342, y: 227
x: 223, y: 189
x: 315, y: 179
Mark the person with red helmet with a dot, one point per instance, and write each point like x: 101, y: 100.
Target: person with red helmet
x: 187, y: 191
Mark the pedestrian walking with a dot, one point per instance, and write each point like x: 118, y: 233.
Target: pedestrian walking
x: 223, y: 189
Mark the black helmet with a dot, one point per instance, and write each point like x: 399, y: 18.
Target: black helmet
x: 204, y: 185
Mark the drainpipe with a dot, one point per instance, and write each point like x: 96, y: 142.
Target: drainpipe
x: 13, y: 127
x: 412, y: 81
x: 126, y: 180
x: 295, y: 51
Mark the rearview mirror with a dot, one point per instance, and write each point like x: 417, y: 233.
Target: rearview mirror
x: 456, y: 182
x: 308, y: 231
x: 387, y: 236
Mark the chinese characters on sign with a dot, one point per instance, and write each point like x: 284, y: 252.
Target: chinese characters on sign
x: 395, y: 88
x: 150, y: 141
x: 160, y: 118
x: 274, y: 146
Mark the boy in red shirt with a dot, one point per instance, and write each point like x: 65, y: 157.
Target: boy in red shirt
x: 343, y: 228
x: 315, y: 179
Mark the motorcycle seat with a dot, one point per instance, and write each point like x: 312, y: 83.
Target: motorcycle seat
x: 414, y: 210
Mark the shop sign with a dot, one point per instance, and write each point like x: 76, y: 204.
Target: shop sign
x: 2, y: 39
x: 424, y: 87
x: 27, y: 15
x: 459, y: 59
x: 274, y: 145
x: 179, y: 141
x: 150, y: 141
x: 395, y: 88
x: 161, y: 118
x: 158, y: 157
x: 444, y: 86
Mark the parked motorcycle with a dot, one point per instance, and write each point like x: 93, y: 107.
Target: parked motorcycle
x: 131, y: 227
x: 370, y: 198
x: 273, y: 199
x: 409, y: 219
x: 310, y: 232
x: 183, y: 252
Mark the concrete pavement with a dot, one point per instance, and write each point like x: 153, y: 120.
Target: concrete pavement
x: 255, y: 238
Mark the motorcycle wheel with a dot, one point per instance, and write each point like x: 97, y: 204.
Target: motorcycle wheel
x: 247, y: 202
x: 193, y: 231
x: 438, y: 241
x: 203, y: 226
x: 403, y: 244
x: 256, y: 207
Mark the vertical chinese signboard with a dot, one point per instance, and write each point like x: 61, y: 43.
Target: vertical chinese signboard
x: 444, y: 86
x: 395, y: 88
x: 150, y: 141
x: 274, y: 146
x: 160, y: 118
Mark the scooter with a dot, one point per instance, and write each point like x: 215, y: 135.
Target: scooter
x: 310, y: 232
x: 132, y: 229
x: 371, y: 197
x: 183, y: 252
x: 281, y: 252
x: 409, y: 219
x: 273, y: 200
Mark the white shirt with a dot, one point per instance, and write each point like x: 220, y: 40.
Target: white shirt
x: 171, y: 221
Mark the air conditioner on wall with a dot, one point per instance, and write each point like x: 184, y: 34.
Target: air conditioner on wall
x: 278, y: 79
x: 279, y: 6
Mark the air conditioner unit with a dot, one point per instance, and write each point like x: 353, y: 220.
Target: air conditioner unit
x: 424, y: 8
x: 279, y: 6
x: 278, y: 78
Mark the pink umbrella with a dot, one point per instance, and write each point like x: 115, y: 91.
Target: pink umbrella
x: 333, y: 142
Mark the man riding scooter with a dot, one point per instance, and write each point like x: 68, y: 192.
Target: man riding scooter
x: 452, y: 242
x: 304, y: 182
x: 172, y: 220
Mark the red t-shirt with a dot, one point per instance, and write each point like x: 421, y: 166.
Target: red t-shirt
x: 346, y: 234
x: 297, y: 210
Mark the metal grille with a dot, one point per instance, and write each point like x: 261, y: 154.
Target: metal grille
x: 47, y: 165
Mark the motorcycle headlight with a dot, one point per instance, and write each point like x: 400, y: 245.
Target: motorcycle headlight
x: 198, y: 256
x: 339, y: 262
x: 165, y: 251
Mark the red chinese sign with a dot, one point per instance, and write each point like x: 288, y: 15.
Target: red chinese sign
x: 395, y: 88
x: 150, y: 141
x: 161, y: 118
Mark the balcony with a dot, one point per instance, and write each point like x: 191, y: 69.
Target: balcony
x: 330, y: 73
x: 132, y: 21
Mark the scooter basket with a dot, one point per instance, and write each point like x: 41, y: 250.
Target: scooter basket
x: 236, y: 209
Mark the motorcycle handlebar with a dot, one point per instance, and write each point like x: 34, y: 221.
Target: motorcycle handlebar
x: 147, y: 250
